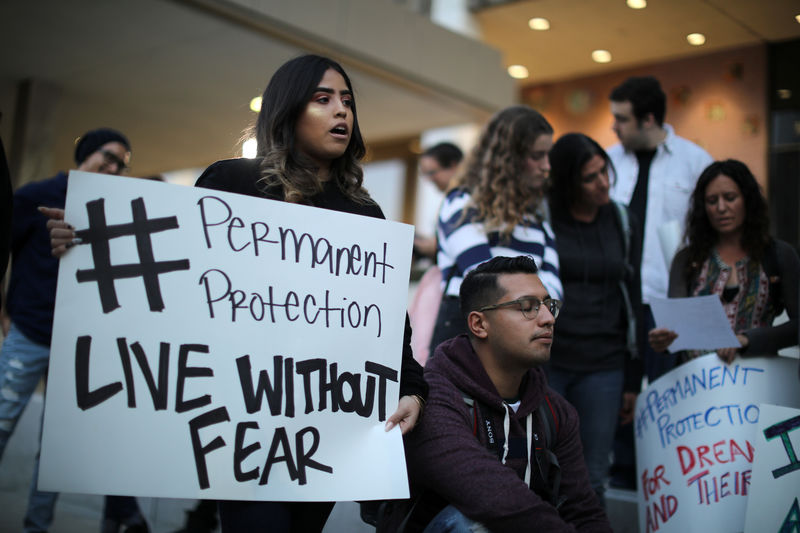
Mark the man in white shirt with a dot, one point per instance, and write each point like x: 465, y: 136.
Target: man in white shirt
x: 656, y: 172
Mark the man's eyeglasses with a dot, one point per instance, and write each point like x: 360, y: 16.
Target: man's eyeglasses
x: 529, y: 306
x: 111, y: 157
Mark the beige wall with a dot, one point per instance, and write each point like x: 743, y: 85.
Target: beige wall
x: 718, y: 101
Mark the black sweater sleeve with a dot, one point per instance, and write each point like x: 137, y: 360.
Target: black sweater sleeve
x: 634, y: 367
x: 768, y: 340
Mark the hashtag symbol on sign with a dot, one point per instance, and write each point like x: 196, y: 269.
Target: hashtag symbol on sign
x: 99, y: 234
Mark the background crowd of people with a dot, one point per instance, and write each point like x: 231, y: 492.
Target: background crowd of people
x: 590, y: 218
x: 586, y: 217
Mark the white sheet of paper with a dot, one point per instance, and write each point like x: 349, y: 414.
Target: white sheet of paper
x: 700, y: 322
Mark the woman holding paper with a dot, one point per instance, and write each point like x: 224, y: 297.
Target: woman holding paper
x: 309, y: 152
x: 594, y: 345
x: 731, y: 254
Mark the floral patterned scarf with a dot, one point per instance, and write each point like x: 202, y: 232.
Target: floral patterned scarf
x: 750, y: 307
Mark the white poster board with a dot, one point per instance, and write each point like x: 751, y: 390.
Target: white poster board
x: 773, y: 504
x: 219, y: 346
x: 695, y: 432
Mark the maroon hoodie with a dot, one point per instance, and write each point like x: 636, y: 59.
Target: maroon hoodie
x: 447, y: 463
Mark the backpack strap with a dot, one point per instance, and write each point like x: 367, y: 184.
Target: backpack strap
x: 494, y: 438
x: 769, y: 263
x: 623, y: 218
x: 546, y: 460
x: 474, y: 414
x: 548, y: 481
x: 770, y: 260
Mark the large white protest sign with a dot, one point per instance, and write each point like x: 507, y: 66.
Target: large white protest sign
x: 773, y: 504
x: 695, y: 428
x: 213, y: 345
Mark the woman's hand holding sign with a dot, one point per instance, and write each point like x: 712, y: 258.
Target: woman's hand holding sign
x: 408, y: 413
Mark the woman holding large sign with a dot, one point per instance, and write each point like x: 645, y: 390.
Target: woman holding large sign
x: 309, y: 152
x: 730, y: 253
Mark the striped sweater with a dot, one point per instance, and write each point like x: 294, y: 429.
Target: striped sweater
x: 463, y: 244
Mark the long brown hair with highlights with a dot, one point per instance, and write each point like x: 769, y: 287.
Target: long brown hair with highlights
x: 283, y: 165
x: 493, y: 174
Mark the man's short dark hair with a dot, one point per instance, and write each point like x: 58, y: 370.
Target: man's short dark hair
x: 480, y: 287
x: 645, y: 95
x: 446, y: 154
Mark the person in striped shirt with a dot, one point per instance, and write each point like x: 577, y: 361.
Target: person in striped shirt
x: 495, y: 209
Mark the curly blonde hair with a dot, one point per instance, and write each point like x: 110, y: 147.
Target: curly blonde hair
x: 493, y: 172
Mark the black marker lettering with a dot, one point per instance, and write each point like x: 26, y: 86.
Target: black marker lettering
x: 127, y: 370
x: 240, y: 453
x: 384, y: 373
x: 87, y: 399
x: 279, y: 439
x: 252, y: 397
x: 304, y: 459
x: 206, y: 223
x: 157, y: 392
x: 185, y: 372
x: 204, y: 280
x: 216, y: 416
x: 260, y: 237
x: 235, y: 223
